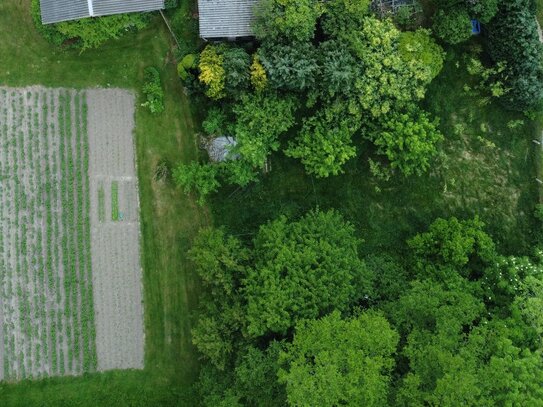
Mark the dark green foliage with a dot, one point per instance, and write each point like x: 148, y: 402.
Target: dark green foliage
x: 452, y: 25
x: 321, y: 250
x: 236, y: 65
x: 513, y: 39
x: 484, y: 10
x: 220, y: 262
x: 336, y: 362
x: 89, y: 32
x: 339, y: 69
x: 292, y: 67
x: 342, y: 17
x: 152, y: 89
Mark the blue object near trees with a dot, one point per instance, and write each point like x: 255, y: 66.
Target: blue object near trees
x: 475, y: 27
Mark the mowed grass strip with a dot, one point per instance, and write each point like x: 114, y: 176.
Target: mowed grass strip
x: 169, y: 219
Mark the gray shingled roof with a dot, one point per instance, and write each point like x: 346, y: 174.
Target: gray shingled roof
x: 55, y: 11
x: 226, y: 18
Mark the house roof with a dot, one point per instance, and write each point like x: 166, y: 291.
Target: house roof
x: 55, y: 11
x: 226, y: 18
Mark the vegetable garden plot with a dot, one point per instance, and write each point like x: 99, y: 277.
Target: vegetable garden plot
x: 48, y: 323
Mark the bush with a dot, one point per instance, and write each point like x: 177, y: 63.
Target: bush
x: 453, y: 26
x: 198, y: 178
x: 188, y: 62
x: 89, y: 32
x: 153, y: 91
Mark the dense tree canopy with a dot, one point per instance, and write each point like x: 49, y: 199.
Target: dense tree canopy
x: 299, y: 318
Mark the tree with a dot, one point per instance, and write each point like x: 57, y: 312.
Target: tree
x: 292, y: 67
x: 237, y: 70
x: 339, y: 69
x: 220, y: 262
x: 513, y: 39
x: 484, y: 10
x: 212, y: 72
x: 387, y: 82
x: 342, y: 17
x: 453, y: 25
x: 286, y: 20
x: 256, y: 377
x: 324, y: 143
x: 198, y: 178
x: 408, y: 140
x: 260, y: 120
x: 418, y: 47
x: 453, y: 242
x: 303, y: 269
x: 334, y: 362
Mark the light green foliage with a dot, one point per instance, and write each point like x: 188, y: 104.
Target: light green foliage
x: 152, y: 89
x: 260, y: 120
x: 376, y: 45
x: 408, y: 140
x: 333, y: 362
x: 342, y: 17
x: 489, y: 78
x: 239, y: 172
x: 94, y: 32
x: 188, y: 62
x: 324, y: 143
x: 220, y: 262
x: 212, y: 73
x: 197, y: 178
x: 286, y: 20
x: 453, y: 25
x: 89, y: 32
x: 419, y: 48
x: 302, y: 270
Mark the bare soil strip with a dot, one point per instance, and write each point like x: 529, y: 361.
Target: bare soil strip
x: 115, y: 245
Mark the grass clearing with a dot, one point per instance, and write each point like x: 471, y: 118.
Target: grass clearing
x: 169, y: 219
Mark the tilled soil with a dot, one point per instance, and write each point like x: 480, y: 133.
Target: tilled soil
x: 70, y: 285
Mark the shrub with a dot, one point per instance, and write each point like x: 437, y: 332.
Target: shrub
x: 453, y: 26
x: 153, y: 91
x: 89, y: 32
x: 198, y: 178
x: 188, y: 62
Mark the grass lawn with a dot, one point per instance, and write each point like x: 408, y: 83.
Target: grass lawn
x: 486, y: 168
x: 169, y: 219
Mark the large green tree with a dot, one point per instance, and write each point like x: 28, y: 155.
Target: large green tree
x: 337, y: 362
x: 303, y: 269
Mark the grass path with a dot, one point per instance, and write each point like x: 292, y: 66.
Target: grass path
x: 168, y: 218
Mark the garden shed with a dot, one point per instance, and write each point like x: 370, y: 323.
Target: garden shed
x: 56, y: 11
x: 226, y: 18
